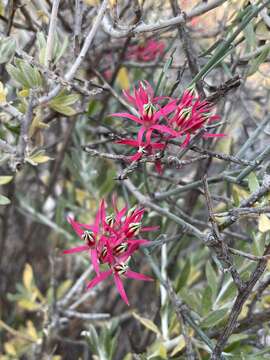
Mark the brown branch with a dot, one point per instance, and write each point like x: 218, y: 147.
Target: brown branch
x: 216, y: 242
x: 238, y: 305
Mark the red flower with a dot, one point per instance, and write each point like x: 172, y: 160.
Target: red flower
x: 144, y: 149
x: 192, y: 114
x: 118, y: 271
x: 90, y: 235
x: 112, y: 240
x: 150, y: 112
x: 147, y: 51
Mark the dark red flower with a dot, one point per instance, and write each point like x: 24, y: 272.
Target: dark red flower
x: 192, y: 114
x: 146, y: 51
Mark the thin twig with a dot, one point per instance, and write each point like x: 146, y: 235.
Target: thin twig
x: 215, y: 241
x: 87, y: 43
x: 162, y: 24
x: 51, y: 34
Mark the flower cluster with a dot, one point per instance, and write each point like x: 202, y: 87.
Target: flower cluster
x: 148, y: 50
x: 162, y: 119
x: 112, y: 240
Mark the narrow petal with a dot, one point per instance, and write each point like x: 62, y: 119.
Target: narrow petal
x: 136, y: 156
x: 158, y: 167
x: 128, y: 116
x: 186, y: 142
x: 165, y: 110
x: 94, y: 259
x: 128, y: 142
x: 101, y: 277
x: 166, y: 129
x: 129, y: 98
x: 140, y: 135
x: 100, y: 217
x: 120, y: 214
x: 76, y: 226
x: 88, y: 227
x: 76, y: 249
x: 134, y: 275
x: 149, y: 228
x: 148, y: 135
x: 120, y: 288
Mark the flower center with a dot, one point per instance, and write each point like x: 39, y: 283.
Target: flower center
x: 134, y: 229
x: 142, y: 150
x: 121, y: 269
x: 120, y: 249
x: 110, y: 219
x: 104, y: 253
x: 149, y: 109
x: 89, y: 238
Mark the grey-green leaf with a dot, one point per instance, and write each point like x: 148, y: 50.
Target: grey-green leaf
x: 4, y: 200
x: 214, y: 318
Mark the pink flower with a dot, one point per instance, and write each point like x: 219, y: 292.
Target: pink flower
x: 147, y: 51
x: 112, y: 240
x: 192, y: 114
x: 144, y: 149
x: 90, y: 235
x: 150, y: 112
x: 119, y: 270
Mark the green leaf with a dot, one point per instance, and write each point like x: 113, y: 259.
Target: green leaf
x: 25, y: 74
x: 60, y: 48
x: 264, y: 223
x: 16, y: 75
x: 37, y: 158
x: 64, y: 99
x: 227, y: 293
x: 93, y: 107
x: 41, y: 44
x: 65, y: 110
x: 211, y: 277
x: 5, y: 179
x: 184, y: 274
x: 258, y: 61
x: 214, y: 318
x: 4, y: 200
x: 62, y: 102
x: 250, y: 37
x: 206, y: 300
x: 193, y: 301
x: 226, y: 47
x: 63, y: 288
x: 258, y: 354
x: 147, y: 323
x: 28, y: 277
x: 93, y: 340
x: 237, y: 337
x: 7, y: 49
x: 253, y: 182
